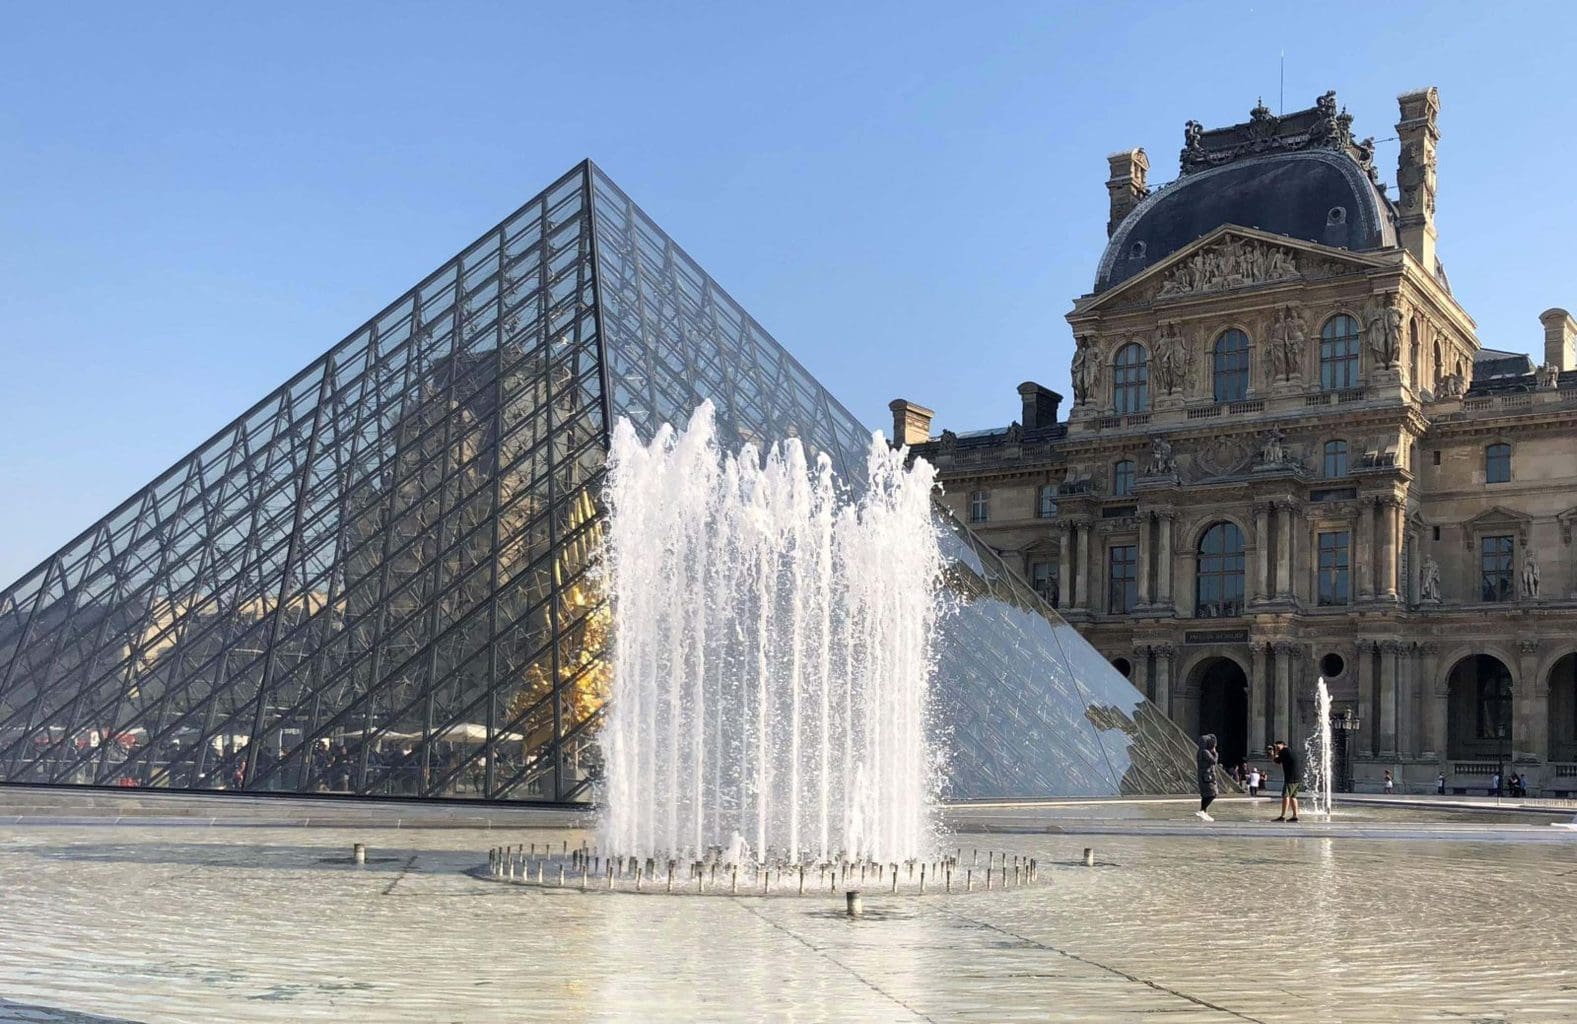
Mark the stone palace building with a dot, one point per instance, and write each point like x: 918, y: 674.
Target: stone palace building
x: 1289, y: 456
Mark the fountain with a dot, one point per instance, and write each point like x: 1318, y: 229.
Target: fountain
x: 773, y: 657
x: 1317, y: 752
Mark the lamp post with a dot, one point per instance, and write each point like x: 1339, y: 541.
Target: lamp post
x: 1347, y: 723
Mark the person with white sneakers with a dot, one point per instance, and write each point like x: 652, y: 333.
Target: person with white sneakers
x: 1208, y: 760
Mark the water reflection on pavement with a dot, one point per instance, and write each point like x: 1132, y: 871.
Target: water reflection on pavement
x: 158, y: 923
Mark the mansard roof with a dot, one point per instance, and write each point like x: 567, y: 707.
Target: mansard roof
x: 1300, y: 175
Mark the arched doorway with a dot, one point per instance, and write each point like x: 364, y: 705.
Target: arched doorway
x: 1479, y: 709
x: 1563, y: 709
x: 1223, y: 707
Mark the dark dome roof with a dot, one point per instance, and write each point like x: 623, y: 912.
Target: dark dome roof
x: 1315, y: 195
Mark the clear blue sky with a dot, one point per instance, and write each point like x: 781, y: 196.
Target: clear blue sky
x: 198, y: 199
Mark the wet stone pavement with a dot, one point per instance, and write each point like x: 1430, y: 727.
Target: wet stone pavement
x: 114, y: 923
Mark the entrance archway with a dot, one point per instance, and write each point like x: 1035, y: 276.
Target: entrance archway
x: 1563, y: 709
x: 1479, y: 709
x: 1223, y: 707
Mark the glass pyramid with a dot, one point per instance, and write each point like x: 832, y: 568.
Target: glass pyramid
x: 376, y: 580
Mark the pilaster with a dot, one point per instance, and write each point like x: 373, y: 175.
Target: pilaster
x: 1257, y: 739
x: 1261, y: 552
x: 1363, y: 549
x: 1367, y: 711
x: 1143, y: 554
x: 1390, y: 672
x: 1284, y: 650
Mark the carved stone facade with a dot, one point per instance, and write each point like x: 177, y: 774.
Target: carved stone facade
x: 1362, y: 491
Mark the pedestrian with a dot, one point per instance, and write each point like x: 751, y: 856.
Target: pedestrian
x: 1289, y: 780
x: 1494, y: 784
x: 1440, y: 783
x: 1390, y: 785
x: 1208, y: 760
x: 1253, y: 781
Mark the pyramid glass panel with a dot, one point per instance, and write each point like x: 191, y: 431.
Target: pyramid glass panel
x: 378, y: 579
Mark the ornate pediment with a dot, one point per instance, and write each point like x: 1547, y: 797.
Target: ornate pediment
x: 1566, y: 519
x: 1230, y: 258
x: 1496, y: 519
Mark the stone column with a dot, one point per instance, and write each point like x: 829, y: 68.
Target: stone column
x: 1284, y: 652
x: 1390, y: 668
x: 1261, y: 552
x: 1407, y: 703
x: 1363, y: 549
x: 1064, y: 563
x: 1143, y: 554
x: 1530, y: 707
x: 1163, y: 565
x: 1256, y: 700
x: 1081, y: 575
x: 1163, y: 677
x: 1427, y: 737
x: 1388, y: 560
x: 1368, y: 738
x: 1284, y: 555
x: 1089, y: 560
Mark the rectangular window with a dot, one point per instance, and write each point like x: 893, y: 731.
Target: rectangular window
x: 1335, y: 459
x: 979, y: 506
x: 1122, y: 567
x: 1122, y: 479
x: 1335, y: 568
x: 1046, y: 505
x: 1495, y: 569
x: 1437, y: 456
x: 1497, y: 464
x: 1043, y: 577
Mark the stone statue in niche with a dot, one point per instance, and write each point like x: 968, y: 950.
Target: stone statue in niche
x: 1162, y: 461
x: 1429, y: 580
x: 1288, y: 334
x: 1452, y: 386
x: 1274, y: 450
x: 1383, y: 322
x: 1530, y: 576
x: 1171, y: 360
x: 1086, y: 371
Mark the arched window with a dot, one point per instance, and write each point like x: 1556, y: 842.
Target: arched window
x: 1439, y: 366
x: 1131, y: 379
x: 1122, y: 479
x: 1339, y: 353
x: 1046, y: 501
x: 1335, y: 462
x: 1497, y: 464
x: 1218, y: 589
x: 1229, y: 367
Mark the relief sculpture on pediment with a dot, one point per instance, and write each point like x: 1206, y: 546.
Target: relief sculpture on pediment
x: 1231, y: 264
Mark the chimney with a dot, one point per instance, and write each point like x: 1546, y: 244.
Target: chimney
x: 911, y: 423
x: 1040, y: 405
x: 1560, y: 339
x: 1126, y: 184
x: 1415, y: 173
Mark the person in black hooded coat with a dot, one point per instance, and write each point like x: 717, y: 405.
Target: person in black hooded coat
x: 1208, y: 760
